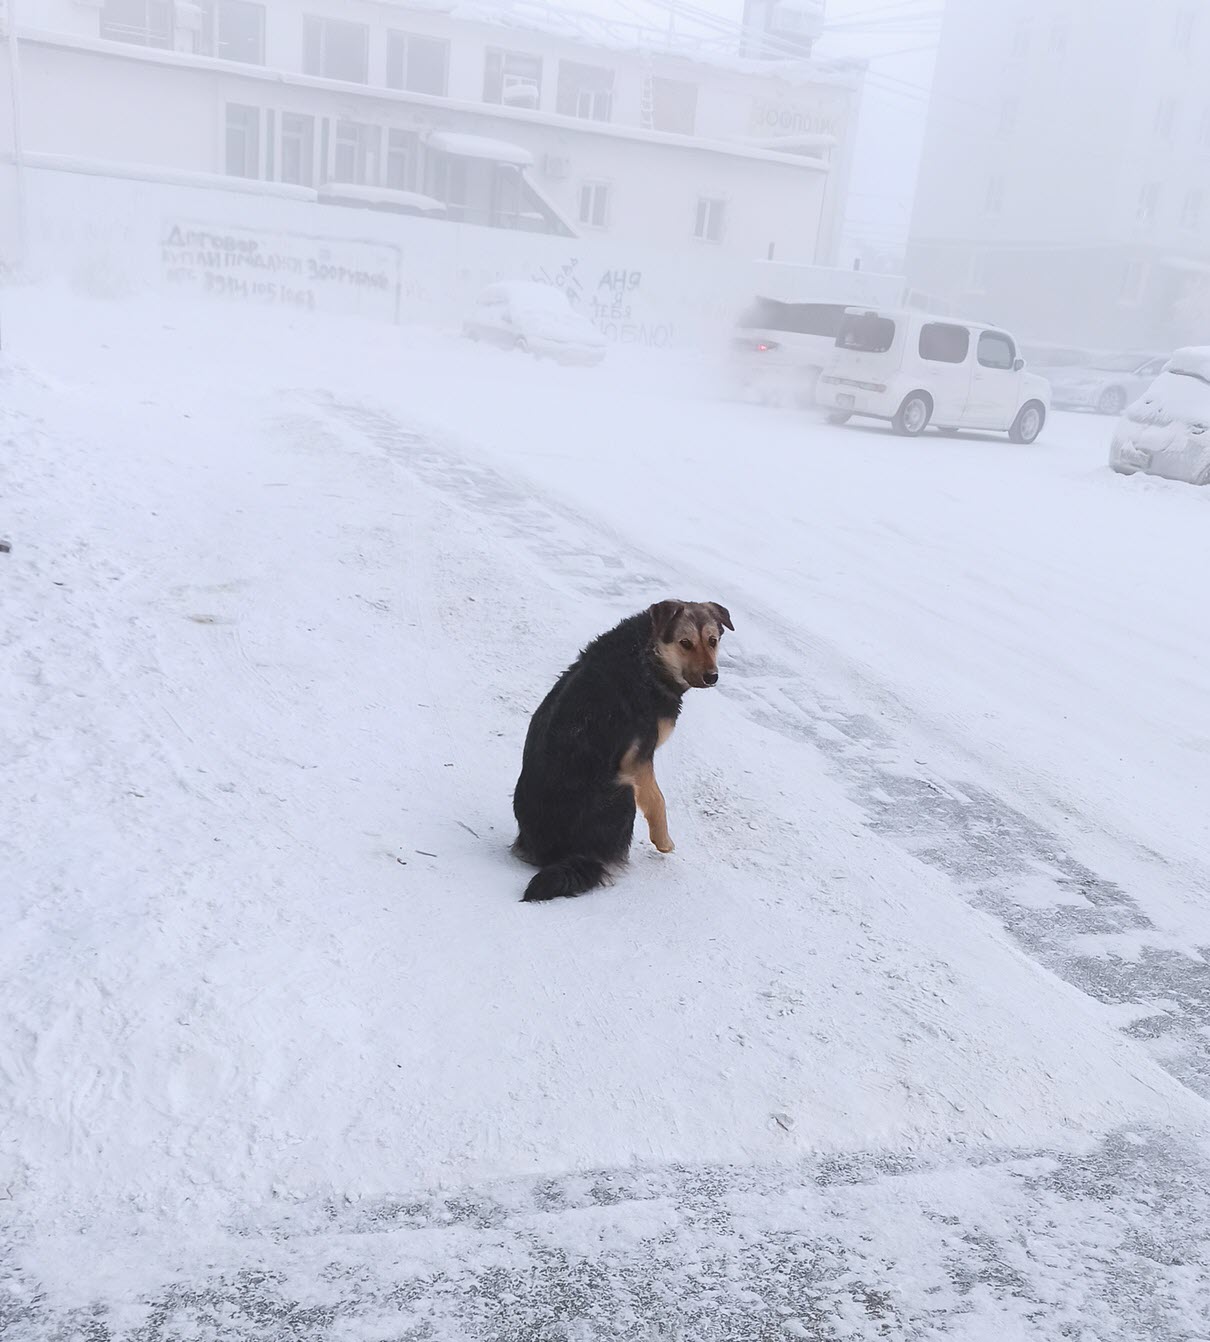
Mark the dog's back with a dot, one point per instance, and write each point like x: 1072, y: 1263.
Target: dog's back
x: 575, y: 819
x: 588, y: 753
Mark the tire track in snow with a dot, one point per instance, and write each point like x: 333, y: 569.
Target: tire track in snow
x: 1057, y: 908
x: 1106, y: 1245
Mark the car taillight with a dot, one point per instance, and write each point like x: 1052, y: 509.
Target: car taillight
x: 764, y: 346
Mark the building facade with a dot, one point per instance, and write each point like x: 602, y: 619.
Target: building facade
x: 1065, y: 183
x: 514, y: 115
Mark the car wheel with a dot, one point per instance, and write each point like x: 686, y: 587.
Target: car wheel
x: 912, y: 417
x: 1112, y: 402
x: 1029, y: 423
x: 839, y: 417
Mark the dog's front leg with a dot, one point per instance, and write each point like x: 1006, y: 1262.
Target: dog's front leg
x: 650, y: 801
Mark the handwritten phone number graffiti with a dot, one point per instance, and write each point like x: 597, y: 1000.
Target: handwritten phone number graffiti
x: 277, y: 269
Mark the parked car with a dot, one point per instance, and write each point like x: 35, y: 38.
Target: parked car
x: 537, y: 319
x: 1105, y: 383
x: 915, y: 370
x: 779, y: 349
x: 1166, y: 431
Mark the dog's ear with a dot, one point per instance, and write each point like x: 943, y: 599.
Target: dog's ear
x: 721, y: 614
x: 664, y: 615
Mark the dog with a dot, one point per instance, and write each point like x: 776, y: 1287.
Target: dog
x: 589, y: 749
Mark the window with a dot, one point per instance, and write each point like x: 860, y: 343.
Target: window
x: 1182, y: 33
x: 336, y: 49
x: 1191, y: 210
x: 817, y: 319
x: 239, y: 31
x: 942, y: 343
x: 1165, y: 118
x: 355, y: 153
x: 866, y: 332
x: 708, y: 227
x: 594, y: 204
x: 976, y: 274
x: 1134, y: 282
x: 1149, y: 202
x: 1010, y: 109
x: 148, y: 23
x: 993, y: 202
x: 584, y: 91
x: 673, y: 106
x: 243, y: 141
x: 997, y: 351
x: 512, y: 78
x: 297, y: 149
x: 403, y: 158
x: 418, y: 64
x: 1058, y: 39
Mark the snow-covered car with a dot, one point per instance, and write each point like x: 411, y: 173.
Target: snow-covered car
x: 1166, y: 431
x: 536, y: 318
x: 1106, y: 384
x: 916, y: 370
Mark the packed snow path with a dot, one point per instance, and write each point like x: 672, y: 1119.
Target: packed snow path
x: 894, y: 1046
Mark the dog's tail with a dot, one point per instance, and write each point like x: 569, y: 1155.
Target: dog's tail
x: 570, y: 876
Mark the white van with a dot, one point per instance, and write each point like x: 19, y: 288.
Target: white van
x: 916, y: 370
x: 779, y: 349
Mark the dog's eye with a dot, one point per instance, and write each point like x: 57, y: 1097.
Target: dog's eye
x: 714, y: 642
x: 687, y: 644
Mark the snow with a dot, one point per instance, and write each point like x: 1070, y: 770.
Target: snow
x: 480, y: 146
x: 284, y: 1056
x: 1194, y: 361
x: 381, y: 195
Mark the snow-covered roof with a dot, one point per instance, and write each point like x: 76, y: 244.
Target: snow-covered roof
x: 381, y: 195
x: 480, y: 146
x: 660, y: 27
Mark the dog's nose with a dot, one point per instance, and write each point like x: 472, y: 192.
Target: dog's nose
x: 711, y: 677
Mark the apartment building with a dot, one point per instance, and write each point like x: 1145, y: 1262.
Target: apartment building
x: 1065, y: 184
x: 517, y: 115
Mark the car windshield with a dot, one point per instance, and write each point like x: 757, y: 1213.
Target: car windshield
x: 866, y: 332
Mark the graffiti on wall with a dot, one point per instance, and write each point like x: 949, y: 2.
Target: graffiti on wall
x: 330, y: 275
x: 611, y: 300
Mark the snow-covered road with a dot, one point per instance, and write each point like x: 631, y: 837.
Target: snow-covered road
x: 909, y: 1039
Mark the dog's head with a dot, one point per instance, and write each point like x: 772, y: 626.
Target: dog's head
x: 685, y: 636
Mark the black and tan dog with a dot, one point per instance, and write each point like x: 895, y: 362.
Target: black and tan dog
x: 588, y: 753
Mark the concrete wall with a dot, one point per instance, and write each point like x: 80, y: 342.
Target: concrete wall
x: 115, y: 236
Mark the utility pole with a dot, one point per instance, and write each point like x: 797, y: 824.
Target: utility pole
x: 14, y: 79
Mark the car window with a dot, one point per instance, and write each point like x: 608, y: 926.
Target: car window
x: 817, y: 319
x: 866, y: 332
x: 1154, y: 368
x: 996, y: 351
x: 942, y: 343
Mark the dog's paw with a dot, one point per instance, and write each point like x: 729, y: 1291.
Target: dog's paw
x: 666, y: 847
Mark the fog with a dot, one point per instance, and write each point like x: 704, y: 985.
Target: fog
x: 603, y: 634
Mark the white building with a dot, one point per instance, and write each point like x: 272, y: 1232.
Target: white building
x: 514, y: 115
x: 1065, y: 184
